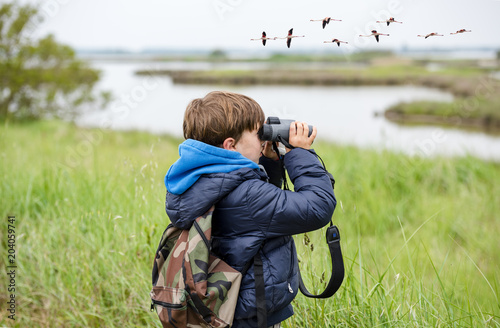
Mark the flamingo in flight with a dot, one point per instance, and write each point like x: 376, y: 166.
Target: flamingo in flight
x: 264, y: 38
x: 325, y: 20
x: 375, y: 34
x: 337, y: 41
x: 461, y: 31
x: 290, y: 36
x: 389, y: 21
x: 430, y: 34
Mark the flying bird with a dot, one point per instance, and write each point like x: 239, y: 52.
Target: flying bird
x: 375, y: 34
x: 461, y: 31
x: 430, y: 34
x: 325, y: 20
x: 264, y: 38
x: 389, y: 21
x: 290, y: 36
x: 337, y: 41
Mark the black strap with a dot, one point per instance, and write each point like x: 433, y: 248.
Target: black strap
x: 333, y: 241
x: 200, y: 307
x: 202, y: 235
x: 260, y: 291
x: 245, y: 268
x: 282, y: 165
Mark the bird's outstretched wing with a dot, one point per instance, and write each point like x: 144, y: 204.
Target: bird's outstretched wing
x: 326, y: 21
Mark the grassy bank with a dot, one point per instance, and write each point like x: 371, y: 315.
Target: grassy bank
x: 419, y: 236
x: 473, y: 112
x: 460, y: 82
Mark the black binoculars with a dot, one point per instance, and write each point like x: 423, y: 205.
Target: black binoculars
x: 276, y: 129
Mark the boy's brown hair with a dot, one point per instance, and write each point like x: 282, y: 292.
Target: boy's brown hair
x: 220, y: 115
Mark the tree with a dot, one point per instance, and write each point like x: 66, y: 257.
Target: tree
x: 217, y: 55
x: 40, y: 78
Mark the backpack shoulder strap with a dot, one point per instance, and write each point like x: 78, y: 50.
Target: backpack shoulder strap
x: 167, y: 241
x: 260, y: 290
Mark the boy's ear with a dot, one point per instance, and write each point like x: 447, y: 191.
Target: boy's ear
x: 229, y: 144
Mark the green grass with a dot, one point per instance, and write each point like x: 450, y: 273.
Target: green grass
x: 419, y: 236
x: 418, y: 242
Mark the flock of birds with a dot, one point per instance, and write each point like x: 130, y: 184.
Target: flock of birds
x: 325, y: 21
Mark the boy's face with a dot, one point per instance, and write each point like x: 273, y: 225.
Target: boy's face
x: 250, y: 145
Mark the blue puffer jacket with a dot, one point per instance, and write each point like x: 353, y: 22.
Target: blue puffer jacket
x: 251, y: 212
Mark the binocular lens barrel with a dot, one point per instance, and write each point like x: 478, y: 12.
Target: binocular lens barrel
x: 275, y: 129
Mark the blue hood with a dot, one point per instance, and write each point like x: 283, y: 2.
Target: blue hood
x: 197, y: 158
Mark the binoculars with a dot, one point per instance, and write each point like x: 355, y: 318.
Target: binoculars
x: 277, y: 130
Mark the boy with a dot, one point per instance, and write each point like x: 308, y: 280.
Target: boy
x: 218, y: 165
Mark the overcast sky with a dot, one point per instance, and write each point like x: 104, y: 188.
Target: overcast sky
x: 229, y: 24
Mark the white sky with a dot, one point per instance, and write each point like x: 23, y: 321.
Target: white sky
x: 229, y: 24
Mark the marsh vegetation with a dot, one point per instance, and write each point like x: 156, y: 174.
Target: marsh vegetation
x: 419, y: 235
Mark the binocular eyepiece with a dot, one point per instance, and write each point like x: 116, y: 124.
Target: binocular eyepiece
x: 277, y: 130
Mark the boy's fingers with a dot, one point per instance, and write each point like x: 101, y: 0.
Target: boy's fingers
x: 299, y: 135
x: 306, y: 129
x: 300, y: 128
x: 313, y: 134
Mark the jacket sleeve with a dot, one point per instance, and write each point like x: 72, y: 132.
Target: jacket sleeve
x: 282, y: 212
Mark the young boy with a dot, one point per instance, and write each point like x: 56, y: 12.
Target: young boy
x: 218, y: 165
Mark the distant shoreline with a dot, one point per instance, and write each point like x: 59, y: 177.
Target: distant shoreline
x: 459, y: 84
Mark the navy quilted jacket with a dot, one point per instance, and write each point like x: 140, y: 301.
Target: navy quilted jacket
x: 251, y: 212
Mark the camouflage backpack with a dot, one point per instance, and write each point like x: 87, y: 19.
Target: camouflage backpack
x: 191, y: 286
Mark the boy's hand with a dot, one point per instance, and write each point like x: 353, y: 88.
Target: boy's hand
x: 268, y: 150
x: 299, y: 135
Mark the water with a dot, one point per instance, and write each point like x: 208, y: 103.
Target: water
x: 345, y: 115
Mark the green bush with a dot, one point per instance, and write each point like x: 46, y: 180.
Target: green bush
x: 40, y: 78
